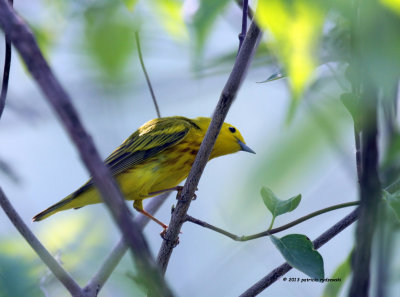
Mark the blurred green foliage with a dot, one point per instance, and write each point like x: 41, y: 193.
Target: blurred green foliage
x: 295, y: 27
x: 204, y: 19
x: 170, y: 14
x: 342, y: 272
x: 16, y: 275
x: 109, y: 38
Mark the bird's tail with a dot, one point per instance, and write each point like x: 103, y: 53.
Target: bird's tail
x: 83, y: 196
x: 53, y: 209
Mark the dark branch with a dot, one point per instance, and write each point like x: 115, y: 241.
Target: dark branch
x: 370, y: 192
x: 250, y: 12
x: 275, y: 274
x: 37, y: 246
x: 24, y: 41
x: 227, y: 97
x: 153, y: 96
x: 245, y: 8
x: 115, y: 256
x: 272, y: 231
x: 6, y: 72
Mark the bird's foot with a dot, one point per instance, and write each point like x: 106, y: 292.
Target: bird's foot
x: 164, y: 237
x: 179, y: 190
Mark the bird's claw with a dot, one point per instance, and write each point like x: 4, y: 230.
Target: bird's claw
x: 163, y: 236
x: 179, y: 190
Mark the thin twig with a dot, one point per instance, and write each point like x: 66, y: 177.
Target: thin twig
x: 275, y: 274
x: 272, y: 231
x: 250, y: 12
x: 153, y: 96
x: 37, y: 246
x: 227, y: 97
x: 242, y: 34
x: 112, y: 260
x: 24, y: 41
x: 6, y: 72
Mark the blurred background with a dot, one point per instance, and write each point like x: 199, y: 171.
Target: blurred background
x: 189, y: 49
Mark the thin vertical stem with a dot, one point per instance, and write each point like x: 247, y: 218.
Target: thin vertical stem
x: 242, y: 35
x: 6, y: 72
x: 153, y: 96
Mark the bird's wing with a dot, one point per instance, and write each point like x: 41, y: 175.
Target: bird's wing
x: 145, y: 143
x: 152, y: 138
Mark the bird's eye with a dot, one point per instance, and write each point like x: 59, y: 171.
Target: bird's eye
x: 232, y: 129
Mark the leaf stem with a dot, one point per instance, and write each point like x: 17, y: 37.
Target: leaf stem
x: 269, y: 231
x: 272, y: 223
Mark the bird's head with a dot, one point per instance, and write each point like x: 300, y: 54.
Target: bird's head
x: 229, y: 140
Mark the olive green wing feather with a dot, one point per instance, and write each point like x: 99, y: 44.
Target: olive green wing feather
x: 140, y: 147
x: 151, y: 139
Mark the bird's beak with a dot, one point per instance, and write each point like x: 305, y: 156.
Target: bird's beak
x: 245, y: 148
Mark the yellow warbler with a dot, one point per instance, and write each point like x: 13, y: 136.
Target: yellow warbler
x: 154, y: 159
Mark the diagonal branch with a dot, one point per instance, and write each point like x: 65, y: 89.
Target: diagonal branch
x: 115, y: 256
x: 23, y: 40
x: 37, y: 246
x: 227, y: 97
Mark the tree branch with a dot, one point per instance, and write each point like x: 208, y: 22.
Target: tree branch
x: 370, y: 192
x: 6, y: 72
x: 275, y: 274
x: 24, y: 41
x: 242, y: 35
x: 37, y: 246
x: 272, y: 231
x: 227, y: 96
x: 115, y: 256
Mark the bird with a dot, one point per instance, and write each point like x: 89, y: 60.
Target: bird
x: 154, y: 159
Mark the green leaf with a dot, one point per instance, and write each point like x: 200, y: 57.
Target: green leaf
x: 130, y: 4
x: 350, y: 101
x: 276, y: 206
x: 394, y: 5
x: 171, y: 17
x: 295, y: 27
x: 299, y: 252
x: 110, y: 39
x: 393, y: 201
x: 341, y: 273
x: 275, y: 76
